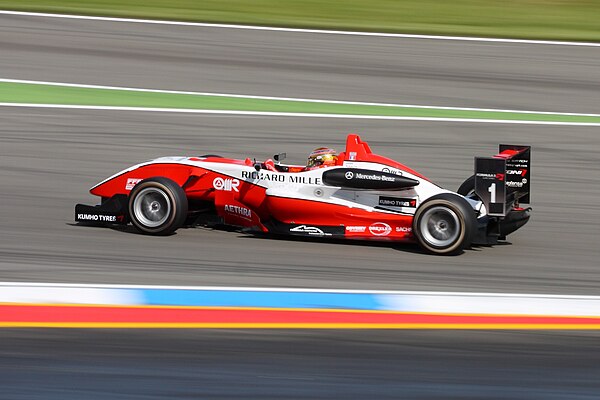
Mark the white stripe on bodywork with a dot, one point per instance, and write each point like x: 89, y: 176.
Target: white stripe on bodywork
x: 300, y: 191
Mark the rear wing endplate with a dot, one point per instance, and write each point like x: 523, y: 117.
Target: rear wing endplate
x: 505, y: 179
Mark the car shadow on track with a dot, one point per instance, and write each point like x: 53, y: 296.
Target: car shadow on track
x: 130, y: 229
x: 412, y: 248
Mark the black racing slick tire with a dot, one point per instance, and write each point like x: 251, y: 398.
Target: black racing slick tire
x: 467, y: 188
x: 444, y: 224
x: 157, y: 206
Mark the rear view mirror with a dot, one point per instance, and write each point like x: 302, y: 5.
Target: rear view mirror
x: 279, y: 157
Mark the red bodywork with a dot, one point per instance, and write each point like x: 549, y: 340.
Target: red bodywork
x: 250, y: 206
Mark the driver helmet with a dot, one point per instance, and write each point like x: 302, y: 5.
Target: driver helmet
x: 322, y: 157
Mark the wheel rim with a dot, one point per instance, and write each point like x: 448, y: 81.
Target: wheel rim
x: 440, y: 226
x: 152, y: 207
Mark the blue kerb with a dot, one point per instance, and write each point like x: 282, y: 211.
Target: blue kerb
x: 226, y: 298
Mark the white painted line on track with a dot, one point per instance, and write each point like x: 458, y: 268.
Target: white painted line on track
x: 299, y: 30
x: 292, y: 114
x: 289, y: 99
x: 299, y: 290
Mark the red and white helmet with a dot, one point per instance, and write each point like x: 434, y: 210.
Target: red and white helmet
x: 322, y: 157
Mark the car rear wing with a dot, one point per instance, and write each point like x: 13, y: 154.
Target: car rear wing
x: 504, y: 180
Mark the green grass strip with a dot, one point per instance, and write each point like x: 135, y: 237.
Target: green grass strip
x: 529, y: 19
x: 49, y: 94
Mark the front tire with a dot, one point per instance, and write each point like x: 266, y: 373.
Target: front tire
x: 444, y: 224
x: 157, y: 206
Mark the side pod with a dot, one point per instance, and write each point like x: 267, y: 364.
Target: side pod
x: 356, y: 178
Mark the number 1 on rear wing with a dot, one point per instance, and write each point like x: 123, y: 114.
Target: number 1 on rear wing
x: 504, y: 180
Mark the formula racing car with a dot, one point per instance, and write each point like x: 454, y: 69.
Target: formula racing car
x: 361, y: 195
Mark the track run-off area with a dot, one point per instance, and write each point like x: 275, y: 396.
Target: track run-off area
x: 451, y: 100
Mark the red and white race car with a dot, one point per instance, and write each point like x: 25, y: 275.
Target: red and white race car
x: 362, y: 196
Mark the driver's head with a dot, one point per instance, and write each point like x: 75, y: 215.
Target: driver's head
x: 322, y: 156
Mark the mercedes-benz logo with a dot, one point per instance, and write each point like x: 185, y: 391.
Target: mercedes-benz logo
x: 349, y: 175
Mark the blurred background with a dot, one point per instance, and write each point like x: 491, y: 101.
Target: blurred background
x: 539, y: 19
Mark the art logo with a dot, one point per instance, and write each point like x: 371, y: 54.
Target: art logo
x: 227, y: 185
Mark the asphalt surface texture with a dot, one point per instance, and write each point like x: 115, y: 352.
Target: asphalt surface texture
x: 50, y: 158
x: 222, y: 364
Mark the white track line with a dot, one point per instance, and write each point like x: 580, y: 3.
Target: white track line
x: 243, y: 96
x: 291, y: 114
x: 297, y: 30
x: 295, y: 290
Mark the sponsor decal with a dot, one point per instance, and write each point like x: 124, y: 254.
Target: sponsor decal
x: 380, y: 229
x: 521, y: 172
x: 306, y: 180
x: 391, y: 171
x: 96, y: 217
x: 227, y: 185
x: 274, y: 177
x: 356, y: 229
x: 310, y: 230
x: 366, y: 179
x: 131, y: 182
x: 352, y: 156
x: 373, y: 177
x: 263, y: 176
x: 500, y: 176
x: 517, y: 184
x: 397, y: 202
x: 403, y: 229
x: 237, y: 210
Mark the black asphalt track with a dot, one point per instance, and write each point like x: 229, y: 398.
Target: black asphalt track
x: 222, y: 364
x: 50, y: 158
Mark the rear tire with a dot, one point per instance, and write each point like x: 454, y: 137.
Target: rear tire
x: 444, y: 224
x: 467, y: 188
x: 157, y: 206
